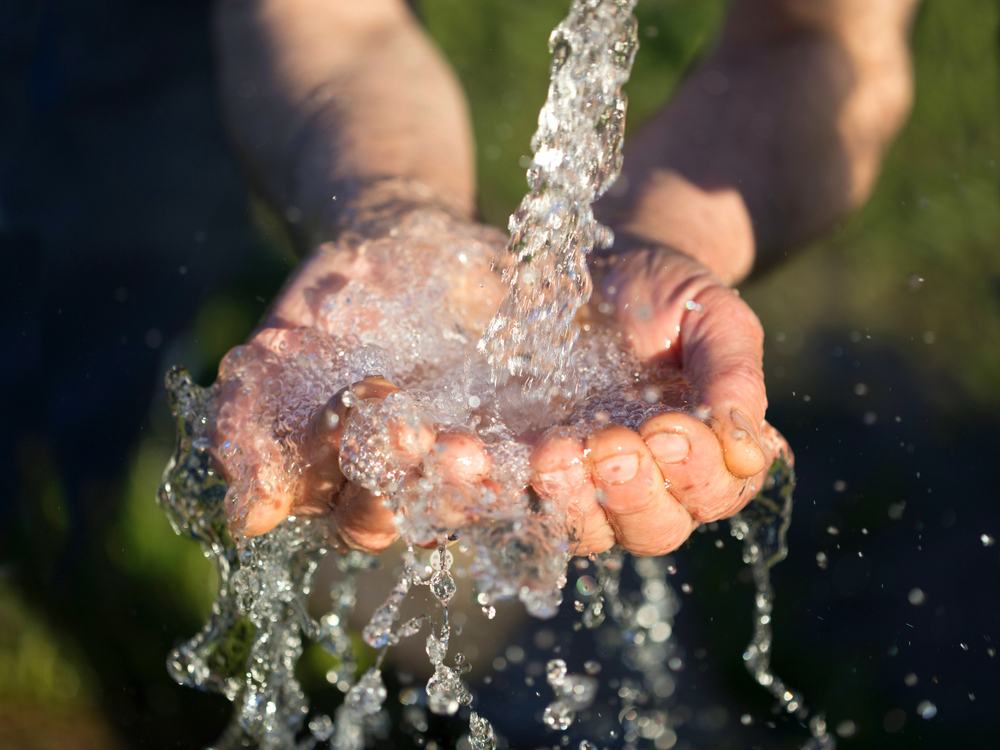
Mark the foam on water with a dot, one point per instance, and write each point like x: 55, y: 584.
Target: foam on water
x: 529, y: 371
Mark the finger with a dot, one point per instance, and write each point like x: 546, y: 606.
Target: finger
x: 363, y: 521
x: 460, y: 458
x: 561, y: 474
x: 690, y: 459
x: 723, y: 349
x: 633, y: 493
x: 373, y: 387
x: 775, y: 446
x: 264, y: 508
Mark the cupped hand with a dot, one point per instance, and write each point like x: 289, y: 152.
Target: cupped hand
x: 649, y: 489
x: 277, y: 425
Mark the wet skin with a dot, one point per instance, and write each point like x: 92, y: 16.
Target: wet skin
x: 351, y: 100
x: 646, y: 490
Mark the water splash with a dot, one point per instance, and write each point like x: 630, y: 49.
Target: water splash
x: 577, y: 156
x: 534, y: 374
x: 762, y: 527
x: 248, y: 649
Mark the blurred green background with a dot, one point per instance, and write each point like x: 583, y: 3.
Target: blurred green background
x: 913, y: 279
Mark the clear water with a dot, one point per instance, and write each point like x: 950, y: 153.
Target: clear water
x: 529, y: 370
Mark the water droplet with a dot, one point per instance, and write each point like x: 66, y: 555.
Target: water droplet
x: 926, y: 709
x: 481, y: 734
x: 558, y: 715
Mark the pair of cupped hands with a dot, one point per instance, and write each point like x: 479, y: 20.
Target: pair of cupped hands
x: 646, y: 490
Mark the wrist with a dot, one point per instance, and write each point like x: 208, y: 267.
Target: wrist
x: 394, y: 244
x: 711, y: 226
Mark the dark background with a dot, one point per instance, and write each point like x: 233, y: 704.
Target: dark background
x: 130, y: 241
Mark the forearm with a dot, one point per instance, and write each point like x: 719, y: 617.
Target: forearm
x: 327, y: 98
x: 775, y: 137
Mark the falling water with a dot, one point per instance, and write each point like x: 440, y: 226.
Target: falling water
x: 529, y: 370
x: 577, y: 156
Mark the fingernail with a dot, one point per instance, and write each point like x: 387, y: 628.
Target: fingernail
x: 566, y: 479
x: 669, y: 447
x: 619, y: 469
x: 742, y: 426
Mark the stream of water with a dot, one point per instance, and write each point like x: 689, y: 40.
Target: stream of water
x: 531, y: 369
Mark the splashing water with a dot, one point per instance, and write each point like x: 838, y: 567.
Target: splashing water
x: 528, y: 371
x: 577, y: 156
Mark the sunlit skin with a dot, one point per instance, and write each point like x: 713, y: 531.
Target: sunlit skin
x: 830, y: 81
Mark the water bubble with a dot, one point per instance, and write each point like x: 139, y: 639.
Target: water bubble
x: 987, y: 540
x: 916, y: 597
x: 558, y: 716
x: 926, y: 709
x: 910, y: 680
x: 514, y: 654
x: 443, y: 587
x: 321, y: 727
x: 660, y: 632
x: 555, y: 672
x: 846, y: 729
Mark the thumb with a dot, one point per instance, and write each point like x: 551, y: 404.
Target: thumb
x: 722, y: 356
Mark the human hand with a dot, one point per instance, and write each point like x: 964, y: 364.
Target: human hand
x: 403, y: 302
x: 649, y: 489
